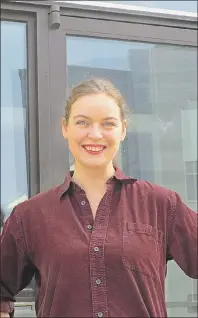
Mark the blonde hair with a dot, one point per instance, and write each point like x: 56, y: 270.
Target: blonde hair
x: 96, y: 86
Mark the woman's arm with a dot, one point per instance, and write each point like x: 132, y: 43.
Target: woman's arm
x: 182, y: 239
x: 16, y: 268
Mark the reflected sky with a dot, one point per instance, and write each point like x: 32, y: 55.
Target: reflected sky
x: 189, y: 6
x: 13, y: 114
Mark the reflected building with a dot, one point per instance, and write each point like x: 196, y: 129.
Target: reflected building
x: 165, y: 108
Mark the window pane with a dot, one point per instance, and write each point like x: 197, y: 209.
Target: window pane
x: 14, y: 185
x: 159, y: 83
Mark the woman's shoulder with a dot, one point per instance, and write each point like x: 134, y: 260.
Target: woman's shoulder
x: 40, y: 202
x: 150, y: 190
x: 145, y: 188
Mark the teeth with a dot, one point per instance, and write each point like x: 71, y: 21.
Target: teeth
x: 94, y: 148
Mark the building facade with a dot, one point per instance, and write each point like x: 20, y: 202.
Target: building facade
x: 148, y: 51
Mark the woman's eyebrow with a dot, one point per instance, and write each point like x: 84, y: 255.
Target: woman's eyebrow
x: 81, y: 116
x: 111, y: 118
x: 106, y: 118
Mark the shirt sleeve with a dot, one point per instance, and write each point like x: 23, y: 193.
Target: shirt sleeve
x: 182, y: 238
x: 17, y: 270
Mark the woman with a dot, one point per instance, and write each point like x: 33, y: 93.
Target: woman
x: 98, y: 243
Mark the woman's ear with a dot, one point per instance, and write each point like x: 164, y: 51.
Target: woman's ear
x: 64, y: 128
x: 124, y: 126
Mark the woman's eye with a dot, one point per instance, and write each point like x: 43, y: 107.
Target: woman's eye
x: 82, y: 122
x: 109, y: 124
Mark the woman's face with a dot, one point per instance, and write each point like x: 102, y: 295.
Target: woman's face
x: 94, y: 130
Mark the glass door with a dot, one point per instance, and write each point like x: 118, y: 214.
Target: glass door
x: 155, y: 69
x: 18, y: 181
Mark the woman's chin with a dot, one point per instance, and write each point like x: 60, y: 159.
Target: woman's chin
x: 94, y: 163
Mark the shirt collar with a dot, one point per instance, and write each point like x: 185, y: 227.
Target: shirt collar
x: 119, y: 175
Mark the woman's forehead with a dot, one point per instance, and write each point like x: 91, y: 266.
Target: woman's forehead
x: 100, y: 105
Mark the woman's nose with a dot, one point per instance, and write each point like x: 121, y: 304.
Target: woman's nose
x: 95, y: 132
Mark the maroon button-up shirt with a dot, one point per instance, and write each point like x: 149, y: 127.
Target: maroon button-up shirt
x: 113, y: 266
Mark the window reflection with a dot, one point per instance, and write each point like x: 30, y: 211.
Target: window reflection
x: 14, y: 183
x: 188, y: 6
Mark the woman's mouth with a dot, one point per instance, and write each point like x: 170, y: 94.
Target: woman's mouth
x: 94, y: 149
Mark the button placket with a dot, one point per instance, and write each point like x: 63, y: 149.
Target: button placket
x: 97, y: 260
x: 84, y: 205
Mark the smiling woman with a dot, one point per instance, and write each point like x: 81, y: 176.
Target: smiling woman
x: 108, y: 235
x: 95, y: 116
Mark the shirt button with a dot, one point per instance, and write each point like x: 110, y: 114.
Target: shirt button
x: 83, y: 202
x: 100, y: 314
x: 96, y: 249
x: 98, y: 281
x: 90, y: 227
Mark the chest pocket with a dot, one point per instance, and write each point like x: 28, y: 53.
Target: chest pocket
x: 142, y: 245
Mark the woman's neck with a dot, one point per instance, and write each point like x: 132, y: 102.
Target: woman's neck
x: 87, y: 177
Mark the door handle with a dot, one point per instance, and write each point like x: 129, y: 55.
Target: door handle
x: 23, y: 305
